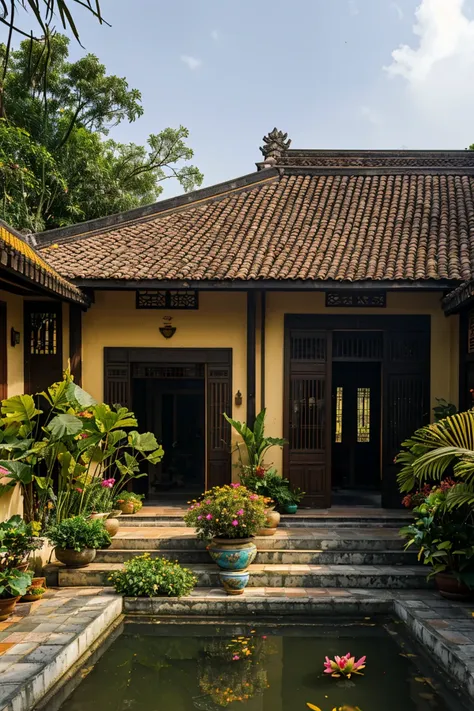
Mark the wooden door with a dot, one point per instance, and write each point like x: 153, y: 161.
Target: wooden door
x: 3, y: 351
x: 43, y: 346
x: 218, y: 401
x: 307, y: 410
x: 406, y: 398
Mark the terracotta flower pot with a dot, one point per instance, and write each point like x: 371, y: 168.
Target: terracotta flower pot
x: 99, y: 515
x: 75, y: 559
x: 273, y: 519
x: 7, y: 605
x: 111, y: 526
x: 451, y: 588
x: 31, y: 597
x: 126, y: 507
x: 38, y: 583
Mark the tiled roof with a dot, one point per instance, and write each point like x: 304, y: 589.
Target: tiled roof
x: 341, y: 223
x: 378, y: 159
x: 18, y: 256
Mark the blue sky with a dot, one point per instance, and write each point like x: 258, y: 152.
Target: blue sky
x: 332, y: 73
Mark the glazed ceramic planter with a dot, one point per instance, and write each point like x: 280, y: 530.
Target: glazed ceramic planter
x: 234, y: 582
x: 291, y: 508
x: 75, y: 559
x: 232, y: 553
x: 7, y: 605
x: 451, y: 588
x: 111, y: 526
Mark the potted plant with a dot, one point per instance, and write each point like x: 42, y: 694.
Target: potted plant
x: 76, y: 540
x: 13, y: 584
x: 229, y: 517
x: 294, y: 498
x: 128, y: 502
x: 17, y: 540
x: 34, y: 593
x: 143, y: 576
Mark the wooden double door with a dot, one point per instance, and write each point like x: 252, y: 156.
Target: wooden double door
x: 124, y: 365
x: 397, y: 348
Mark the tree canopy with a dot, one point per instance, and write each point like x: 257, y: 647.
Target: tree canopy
x: 58, y: 164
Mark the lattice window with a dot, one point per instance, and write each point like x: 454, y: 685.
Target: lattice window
x: 218, y: 403
x: 363, y: 414
x: 307, y: 420
x: 470, y: 333
x: 339, y: 405
x: 43, y: 333
x: 160, y: 299
x: 377, y: 299
x: 309, y: 347
x: 166, y: 372
x: 358, y: 345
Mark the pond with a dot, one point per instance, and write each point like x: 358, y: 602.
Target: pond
x: 265, y: 667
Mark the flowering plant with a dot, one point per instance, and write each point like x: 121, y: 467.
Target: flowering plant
x: 230, y: 511
x: 344, y: 666
x: 136, y: 499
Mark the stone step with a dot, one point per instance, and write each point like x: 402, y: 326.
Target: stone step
x: 275, y: 576
x: 300, y: 520
x: 319, y: 557
x: 370, y: 539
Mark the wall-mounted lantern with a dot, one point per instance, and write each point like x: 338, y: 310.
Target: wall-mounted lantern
x: 14, y: 337
x: 238, y: 398
x: 167, y: 330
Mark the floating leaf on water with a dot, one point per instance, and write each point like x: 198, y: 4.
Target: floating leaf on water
x: 407, y: 655
x: 86, y: 671
x: 422, y: 680
x: 312, y: 707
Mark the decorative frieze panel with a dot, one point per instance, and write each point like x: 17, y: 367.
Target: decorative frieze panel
x: 166, y: 299
x: 377, y: 299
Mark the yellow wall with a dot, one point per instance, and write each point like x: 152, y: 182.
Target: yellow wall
x: 444, y: 344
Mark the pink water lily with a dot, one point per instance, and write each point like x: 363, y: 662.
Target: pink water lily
x: 344, y: 666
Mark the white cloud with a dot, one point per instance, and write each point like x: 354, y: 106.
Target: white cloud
x: 191, y: 62
x: 398, y: 10
x: 215, y: 34
x: 353, y: 7
x: 445, y: 34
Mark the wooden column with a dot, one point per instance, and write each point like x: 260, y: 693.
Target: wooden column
x: 251, y: 356
x: 75, y: 342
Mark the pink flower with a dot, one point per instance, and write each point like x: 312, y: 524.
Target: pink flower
x: 208, y: 501
x: 235, y: 522
x: 199, y: 518
x: 253, y: 497
x: 235, y: 486
x: 209, y: 516
x: 235, y: 658
x: 240, y: 513
x: 107, y: 483
x: 264, y: 636
x: 344, y: 666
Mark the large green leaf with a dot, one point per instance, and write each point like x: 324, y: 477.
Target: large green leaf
x: 108, y: 419
x: 74, y: 392
x: 145, y: 442
x: 18, y: 472
x: 64, y: 425
x: 20, y: 408
x: 156, y: 456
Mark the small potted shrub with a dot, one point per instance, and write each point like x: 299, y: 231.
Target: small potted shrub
x: 128, y: 502
x: 13, y: 585
x: 76, y: 540
x: 143, y: 576
x: 229, y: 516
x: 17, y: 540
x: 295, y: 496
x: 34, y: 593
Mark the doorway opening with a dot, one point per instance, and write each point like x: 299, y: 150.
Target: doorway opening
x: 174, y: 409
x: 356, y: 433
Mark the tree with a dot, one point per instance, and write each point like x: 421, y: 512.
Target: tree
x: 58, y: 116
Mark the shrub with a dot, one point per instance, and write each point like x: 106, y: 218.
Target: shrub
x: 13, y: 583
x: 227, y: 512
x: 136, y: 499
x: 78, y: 533
x: 17, y: 540
x: 143, y: 576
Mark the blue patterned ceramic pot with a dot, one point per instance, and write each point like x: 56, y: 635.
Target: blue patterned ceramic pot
x: 232, y: 553
x: 234, y: 582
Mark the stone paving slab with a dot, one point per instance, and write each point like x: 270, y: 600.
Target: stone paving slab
x: 44, y: 639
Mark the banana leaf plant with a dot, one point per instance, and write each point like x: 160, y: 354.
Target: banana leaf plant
x: 59, y: 456
x: 254, y: 442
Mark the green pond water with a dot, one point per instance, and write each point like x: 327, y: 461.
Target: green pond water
x: 181, y: 667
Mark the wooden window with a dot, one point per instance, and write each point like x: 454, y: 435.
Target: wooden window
x: 363, y: 414
x: 161, y: 299
x: 339, y: 405
x: 43, y: 333
x: 354, y: 345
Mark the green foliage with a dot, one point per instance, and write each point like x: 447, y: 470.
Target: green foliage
x: 143, y: 576
x: 127, y: 496
x: 17, y: 540
x: 13, y: 583
x: 255, y: 443
x: 227, y: 512
x: 268, y: 483
x: 443, y: 409
x: 36, y: 590
x: 444, y: 537
x: 57, y: 165
x: 78, y: 533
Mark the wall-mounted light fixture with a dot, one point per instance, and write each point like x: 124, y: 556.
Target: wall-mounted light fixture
x: 14, y: 337
x: 238, y: 398
x: 167, y: 331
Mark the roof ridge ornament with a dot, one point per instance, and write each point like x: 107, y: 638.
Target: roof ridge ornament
x: 275, y: 143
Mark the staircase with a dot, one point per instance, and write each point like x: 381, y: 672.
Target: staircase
x: 319, y: 552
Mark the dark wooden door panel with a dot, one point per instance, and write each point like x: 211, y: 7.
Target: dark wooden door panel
x: 117, y: 390
x: 3, y: 350
x: 219, y: 389
x: 43, y: 347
